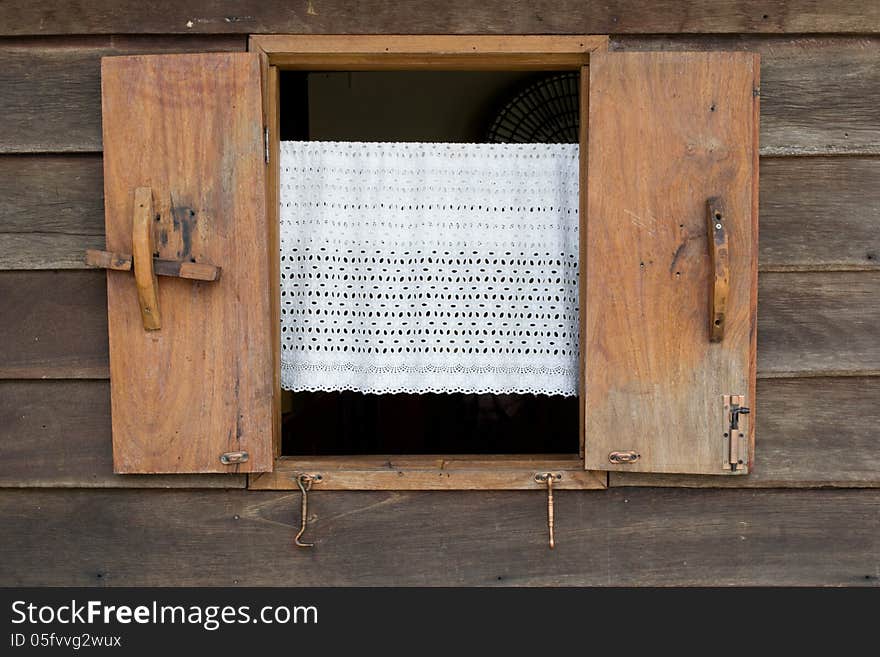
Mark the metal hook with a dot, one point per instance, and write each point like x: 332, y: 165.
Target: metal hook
x: 304, y: 481
x: 548, y: 477
x: 550, y: 510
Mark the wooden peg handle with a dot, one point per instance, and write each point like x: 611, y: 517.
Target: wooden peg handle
x: 719, y: 272
x: 142, y: 252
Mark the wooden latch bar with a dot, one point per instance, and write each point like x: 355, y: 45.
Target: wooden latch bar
x: 719, y: 273
x: 146, y: 266
x: 196, y: 271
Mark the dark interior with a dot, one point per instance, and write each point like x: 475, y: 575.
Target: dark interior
x: 347, y: 423
x: 412, y: 106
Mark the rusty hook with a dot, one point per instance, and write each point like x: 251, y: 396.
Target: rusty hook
x: 304, y: 481
x: 550, y: 511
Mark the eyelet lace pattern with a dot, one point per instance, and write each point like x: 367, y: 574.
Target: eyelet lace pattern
x: 429, y: 267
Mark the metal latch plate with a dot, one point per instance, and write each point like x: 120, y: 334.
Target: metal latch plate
x: 233, y: 458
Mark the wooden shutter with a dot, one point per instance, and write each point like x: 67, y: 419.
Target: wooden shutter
x: 673, y: 138
x: 187, y: 132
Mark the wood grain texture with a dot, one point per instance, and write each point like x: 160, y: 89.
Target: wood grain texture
x: 51, y: 210
x: 443, y: 472
x: 809, y: 432
x: 819, y: 95
x: 51, y: 100
x: 826, y: 324
x: 820, y: 213
x: 583, y: 174
x: 109, y: 260
x: 271, y: 100
x: 280, y: 45
x: 54, y: 325
x: 668, y: 131
x: 816, y: 212
x: 196, y: 271
x: 142, y: 248
x: 809, y: 324
x: 57, y: 434
x: 20, y: 17
x: 443, y: 52
x: 191, y: 128
x: 617, y: 537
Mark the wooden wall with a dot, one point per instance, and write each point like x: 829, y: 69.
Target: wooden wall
x: 809, y: 515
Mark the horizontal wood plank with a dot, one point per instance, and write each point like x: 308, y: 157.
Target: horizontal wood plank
x: 51, y: 99
x: 57, y: 433
x: 818, y: 324
x: 809, y: 324
x: 445, y: 52
x: 810, y: 432
x: 818, y: 95
x: 284, y: 47
x: 617, y: 537
x: 51, y: 210
x: 20, y: 17
x: 54, y: 325
x: 817, y: 213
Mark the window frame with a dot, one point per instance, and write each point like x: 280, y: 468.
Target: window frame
x: 407, y: 53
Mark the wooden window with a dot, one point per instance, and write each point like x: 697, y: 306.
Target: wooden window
x: 668, y: 155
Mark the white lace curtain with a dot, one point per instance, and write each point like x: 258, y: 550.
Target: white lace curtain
x: 422, y: 267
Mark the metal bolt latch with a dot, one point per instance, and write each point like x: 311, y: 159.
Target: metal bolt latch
x: 735, y: 435
x: 735, y: 412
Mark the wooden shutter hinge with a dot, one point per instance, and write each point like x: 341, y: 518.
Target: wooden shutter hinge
x: 736, y: 443
x: 266, y: 143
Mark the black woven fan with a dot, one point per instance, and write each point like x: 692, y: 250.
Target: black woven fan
x: 545, y: 112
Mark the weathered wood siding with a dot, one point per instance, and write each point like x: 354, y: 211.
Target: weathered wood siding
x: 645, y: 536
x: 819, y: 342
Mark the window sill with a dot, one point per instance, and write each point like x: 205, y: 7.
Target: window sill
x: 448, y: 472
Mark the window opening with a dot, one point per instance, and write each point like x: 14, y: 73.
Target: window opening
x: 434, y: 107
